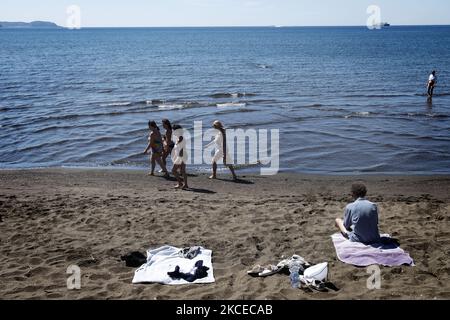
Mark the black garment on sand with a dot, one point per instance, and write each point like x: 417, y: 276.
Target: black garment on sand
x: 200, y: 272
x: 134, y: 259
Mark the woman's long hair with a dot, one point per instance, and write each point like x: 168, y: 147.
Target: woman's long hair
x: 153, y: 124
x: 167, y: 123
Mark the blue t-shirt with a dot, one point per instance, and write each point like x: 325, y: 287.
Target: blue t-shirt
x: 361, y: 217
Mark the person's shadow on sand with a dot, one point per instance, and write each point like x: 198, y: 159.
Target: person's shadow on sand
x: 239, y: 181
x: 197, y: 190
x: 168, y: 178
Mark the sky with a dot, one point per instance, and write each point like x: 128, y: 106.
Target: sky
x: 178, y: 13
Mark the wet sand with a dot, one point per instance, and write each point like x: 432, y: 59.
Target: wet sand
x: 53, y: 218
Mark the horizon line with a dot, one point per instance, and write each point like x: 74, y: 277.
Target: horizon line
x: 271, y: 26
x: 237, y: 26
x: 247, y: 26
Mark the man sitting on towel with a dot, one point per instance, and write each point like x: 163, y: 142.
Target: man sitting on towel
x: 360, y: 222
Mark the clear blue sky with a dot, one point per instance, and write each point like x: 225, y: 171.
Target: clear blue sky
x: 142, y: 13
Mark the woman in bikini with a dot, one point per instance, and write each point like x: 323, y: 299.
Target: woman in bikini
x: 167, y: 140
x: 155, y: 143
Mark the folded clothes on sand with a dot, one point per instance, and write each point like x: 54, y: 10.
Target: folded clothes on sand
x: 199, y: 272
x: 264, y: 271
x: 310, y: 276
x: 295, y: 259
x: 190, y: 252
x: 386, y: 253
x: 165, y: 265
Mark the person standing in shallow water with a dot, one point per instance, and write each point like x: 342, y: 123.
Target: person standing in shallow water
x: 220, y: 141
x: 155, y: 143
x: 432, y: 80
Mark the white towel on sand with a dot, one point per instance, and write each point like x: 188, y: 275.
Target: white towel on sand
x: 165, y: 259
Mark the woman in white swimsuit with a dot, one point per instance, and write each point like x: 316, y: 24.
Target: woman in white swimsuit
x: 221, y: 150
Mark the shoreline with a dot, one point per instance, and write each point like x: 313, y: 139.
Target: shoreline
x: 291, y: 183
x: 53, y: 218
x: 245, y: 171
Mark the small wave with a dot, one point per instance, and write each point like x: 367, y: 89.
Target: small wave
x: 221, y: 95
x: 438, y: 116
x: 226, y: 111
x: 66, y: 117
x: 376, y: 95
x: 262, y: 101
x: 49, y: 144
x: 116, y: 104
x: 155, y: 102
x: 429, y: 115
x: 373, y: 168
x: 231, y: 105
x: 58, y: 127
x: 106, y: 90
x: 105, y: 139
x: 171, y: 106
x: 443, y: 94
x: 128, y: 159
x: 358, y: 114
x: 263, y: 66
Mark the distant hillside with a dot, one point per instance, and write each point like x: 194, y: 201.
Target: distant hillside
x: 34, y: 24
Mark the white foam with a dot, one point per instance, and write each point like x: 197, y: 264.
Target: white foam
x: 170, y: 106
x: 358, y: 114
x: 114, y: 104
x: 231, y: 105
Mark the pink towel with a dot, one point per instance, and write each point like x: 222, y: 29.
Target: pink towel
x: 356, y: 253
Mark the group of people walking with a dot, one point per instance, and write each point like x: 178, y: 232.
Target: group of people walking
x: 360, y: 221
x: 172, y: 143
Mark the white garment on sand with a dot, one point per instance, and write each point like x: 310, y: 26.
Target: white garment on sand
x: 165, y: 259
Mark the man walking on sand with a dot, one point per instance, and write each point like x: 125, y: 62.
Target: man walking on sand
x: 360, y: 222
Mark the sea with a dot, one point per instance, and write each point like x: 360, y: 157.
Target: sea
x: 345, y: 100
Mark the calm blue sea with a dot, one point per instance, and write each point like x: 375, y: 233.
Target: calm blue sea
x: 346, y: 100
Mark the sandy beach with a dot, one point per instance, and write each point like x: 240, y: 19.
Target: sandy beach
x: 52, y: 218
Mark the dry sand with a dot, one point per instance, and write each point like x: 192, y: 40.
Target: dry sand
x: 51, y: 219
